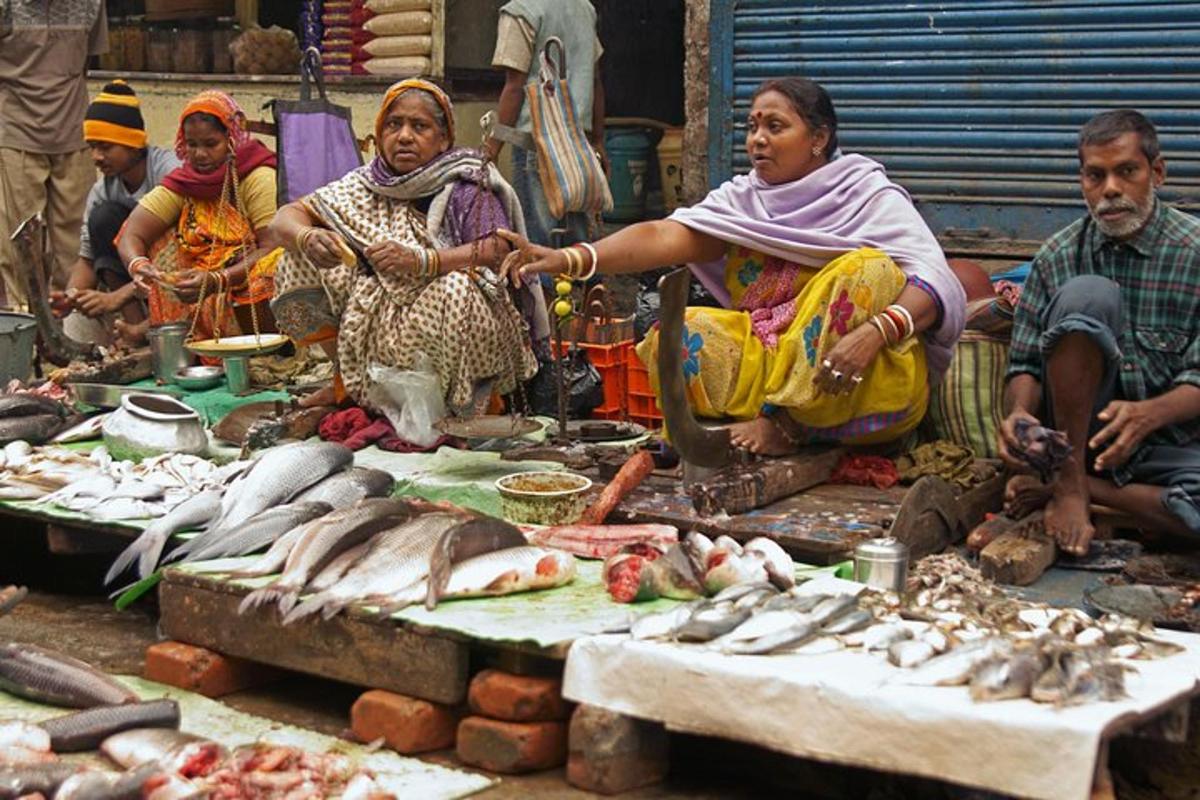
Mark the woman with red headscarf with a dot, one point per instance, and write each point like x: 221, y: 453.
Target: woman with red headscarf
x: 197, y: 242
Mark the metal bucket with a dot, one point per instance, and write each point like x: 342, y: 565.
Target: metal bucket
x: 18, y: 333
x: 167, y: 351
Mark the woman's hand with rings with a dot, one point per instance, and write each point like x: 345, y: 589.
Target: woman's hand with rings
x: 323, y: 247
x: 393, y: 257
x: 843, y: 366
x: 389, y: 256
x: 528, y: 258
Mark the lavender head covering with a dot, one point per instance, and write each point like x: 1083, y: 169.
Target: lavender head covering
x: 847, y: 204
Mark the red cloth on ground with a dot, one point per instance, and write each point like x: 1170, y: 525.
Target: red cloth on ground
x: 859, y: 470
x: 356, y: 429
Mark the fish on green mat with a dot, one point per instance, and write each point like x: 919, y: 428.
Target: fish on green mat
x: 47, y: 676
x: 85, y: 730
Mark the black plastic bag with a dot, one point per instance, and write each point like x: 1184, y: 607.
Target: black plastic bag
x: 585, y: 390
x: 646, y: 310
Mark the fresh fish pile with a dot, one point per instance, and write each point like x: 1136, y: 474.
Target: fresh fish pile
x: 695, y: 567
x: 278, y: 475
x: 954, y: 628
x: 347, y: 487
x: 46, y: 676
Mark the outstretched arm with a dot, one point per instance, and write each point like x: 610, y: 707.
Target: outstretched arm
x: 640, y: 247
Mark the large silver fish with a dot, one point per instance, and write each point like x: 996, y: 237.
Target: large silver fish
x: 254, y: 534
x: 323, y: 539
x: 43, y: 675
x: 334, y: 570
x: 347, y: 487
x: 393, y: 557
x: 470, y: 538
x: 277, y: 476
x: 147, y: 548
x: 501, y: 572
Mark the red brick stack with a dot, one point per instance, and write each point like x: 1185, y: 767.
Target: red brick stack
x: 518, y: 723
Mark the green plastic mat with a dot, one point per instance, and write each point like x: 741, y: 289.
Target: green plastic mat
x: 213, y: 404
x: 405, y: 777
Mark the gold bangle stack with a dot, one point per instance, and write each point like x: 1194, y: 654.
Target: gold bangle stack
x: 575, y: 261
x: 302, y: 237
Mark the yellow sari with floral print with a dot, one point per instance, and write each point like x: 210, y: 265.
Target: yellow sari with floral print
x: 766, y: 349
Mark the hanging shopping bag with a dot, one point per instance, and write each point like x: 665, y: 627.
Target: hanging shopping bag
x: 571, y: 174
x: 315, y: 138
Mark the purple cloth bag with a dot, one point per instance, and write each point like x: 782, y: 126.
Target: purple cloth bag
x: 315, y: 140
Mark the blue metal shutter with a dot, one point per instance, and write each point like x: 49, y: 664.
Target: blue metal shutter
x: 972, y: 105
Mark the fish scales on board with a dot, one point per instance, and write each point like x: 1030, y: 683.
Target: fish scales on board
x: 85, y: 730
x: 392, y: 557
x: 49, y: 677
x: 323, y: 539
x: 278, y: 475
x: 347, y: 487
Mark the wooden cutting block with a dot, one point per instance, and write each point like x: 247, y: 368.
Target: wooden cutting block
x: 1017, y: 560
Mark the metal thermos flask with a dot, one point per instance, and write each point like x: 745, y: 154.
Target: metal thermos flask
x: 882, y: 564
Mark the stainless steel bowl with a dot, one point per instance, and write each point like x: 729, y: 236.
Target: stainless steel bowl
x: 197, y: 379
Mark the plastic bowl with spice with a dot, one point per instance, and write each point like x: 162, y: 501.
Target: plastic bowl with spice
x: 543, y: 498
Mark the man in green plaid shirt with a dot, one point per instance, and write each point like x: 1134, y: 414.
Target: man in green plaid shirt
x: 1105, y: 347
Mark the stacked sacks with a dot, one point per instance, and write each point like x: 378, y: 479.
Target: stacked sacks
x: 401, y: 38
x: 377, y: 37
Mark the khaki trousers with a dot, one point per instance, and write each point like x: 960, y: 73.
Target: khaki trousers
x: 55, y: 185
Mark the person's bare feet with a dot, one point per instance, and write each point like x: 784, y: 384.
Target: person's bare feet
x: 763, y: 436
x: 321, y: 397
x: 1068, y: 518
x: 1024, y: 494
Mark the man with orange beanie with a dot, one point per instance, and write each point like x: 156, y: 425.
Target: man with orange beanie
x: 98, y: 284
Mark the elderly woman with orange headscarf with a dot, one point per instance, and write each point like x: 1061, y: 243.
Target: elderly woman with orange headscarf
x: 197, y: 243
x: 394, y: 264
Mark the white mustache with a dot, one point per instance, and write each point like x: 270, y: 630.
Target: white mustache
x: 1115, y: 205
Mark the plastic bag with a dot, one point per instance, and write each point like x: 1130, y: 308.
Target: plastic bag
x: 410, y: 399
x: 585, y: 390
x: 265, y: 51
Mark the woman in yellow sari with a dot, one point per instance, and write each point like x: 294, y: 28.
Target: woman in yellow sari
x: 840, y: 308
x: 197, y: 243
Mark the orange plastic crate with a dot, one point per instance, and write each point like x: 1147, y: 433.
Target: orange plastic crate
x: 639, y: 376
x: 611, y: 361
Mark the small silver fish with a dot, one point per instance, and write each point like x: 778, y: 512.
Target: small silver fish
x: 909, y: 653
x: 831, y: 608
x: 1006, y: 677
x: 856, y: 620
x: 884, y: 635
x: 790, y: 637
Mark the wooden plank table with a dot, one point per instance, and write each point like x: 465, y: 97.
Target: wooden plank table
x: 821, y: 525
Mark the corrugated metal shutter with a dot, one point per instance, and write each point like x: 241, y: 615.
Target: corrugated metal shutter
x: 972, y: 105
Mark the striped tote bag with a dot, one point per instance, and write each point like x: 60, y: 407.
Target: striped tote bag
x: 572, y: 177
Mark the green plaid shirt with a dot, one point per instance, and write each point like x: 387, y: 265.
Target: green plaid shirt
x: 1159, y: 276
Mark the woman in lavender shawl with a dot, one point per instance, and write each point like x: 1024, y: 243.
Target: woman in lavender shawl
x: 393, y: 264
x: 840, y: 309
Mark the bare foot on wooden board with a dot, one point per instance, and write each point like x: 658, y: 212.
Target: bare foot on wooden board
x: 762, y: 436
